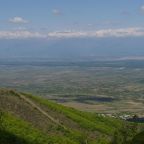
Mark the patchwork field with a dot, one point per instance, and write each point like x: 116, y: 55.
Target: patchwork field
x: 103, y: 87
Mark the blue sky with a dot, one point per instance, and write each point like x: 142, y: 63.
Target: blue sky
x: 71, y: 28
x: 60, y: 15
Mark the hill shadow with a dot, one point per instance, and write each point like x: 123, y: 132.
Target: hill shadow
x: 9, y: 138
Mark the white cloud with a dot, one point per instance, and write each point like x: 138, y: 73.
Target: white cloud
x: 20, y: 35
x: 56, y: 12
x: 123, y: 32
x: 67, y: 34
x: 103, y: 33
x: 142, y: 8
x: 18, y: 20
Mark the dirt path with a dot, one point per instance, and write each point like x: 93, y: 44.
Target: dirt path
x: 57, y: 122
x: 41, y: 110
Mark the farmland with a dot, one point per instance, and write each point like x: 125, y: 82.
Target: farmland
x: 105, y: 86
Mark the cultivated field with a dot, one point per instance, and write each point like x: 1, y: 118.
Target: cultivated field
x: 105, y: 87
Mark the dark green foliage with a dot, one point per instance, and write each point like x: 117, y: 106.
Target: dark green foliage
x: 117, y: 138
x: 1, y: 120
x: 10, y: 138
x: 138, y: 139
x: 125, y: 134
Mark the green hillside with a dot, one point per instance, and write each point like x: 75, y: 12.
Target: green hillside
x: 27, y: 119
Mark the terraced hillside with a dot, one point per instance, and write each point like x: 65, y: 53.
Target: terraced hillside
x: 26, y: 119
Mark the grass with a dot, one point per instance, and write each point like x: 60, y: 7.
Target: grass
x: 86, y: 120
x: 24, y: 124
x: 19, y: 130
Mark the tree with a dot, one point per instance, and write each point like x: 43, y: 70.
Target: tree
x: 1, y: 120
x: 125, y: 134
x: 118, y: 138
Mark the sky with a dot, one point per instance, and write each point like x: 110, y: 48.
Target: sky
x: 71, y: 19
x: 68, y: 15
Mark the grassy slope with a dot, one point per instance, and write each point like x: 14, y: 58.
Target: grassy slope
x: 21, y: 131
x: 86, y: 120
x: 28, y: 125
